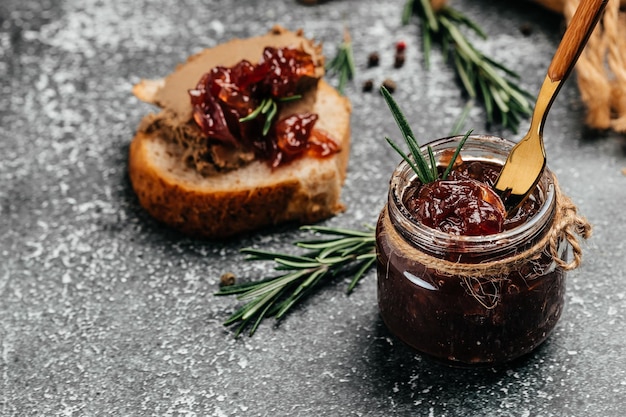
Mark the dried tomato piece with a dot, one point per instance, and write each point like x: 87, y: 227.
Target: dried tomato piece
x: 209, y: 116
x: 284, y: 68
x: 219, y: 101
x: 321, y: 144
x: 296, y: 136
x: 245, y: 75
x: 225, y: 86
x: 292, y: 133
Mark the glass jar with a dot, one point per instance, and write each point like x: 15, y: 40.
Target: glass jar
x: 468, y: 300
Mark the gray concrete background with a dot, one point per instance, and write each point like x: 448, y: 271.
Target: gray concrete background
x: 104, y: 312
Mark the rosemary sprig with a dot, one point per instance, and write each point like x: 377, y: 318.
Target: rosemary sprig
x: 269, y: 108
x: 504, y: 101
x: 418, y: 163
x: 426, y: 170
x: 343, y: 62
x: 346, y: 252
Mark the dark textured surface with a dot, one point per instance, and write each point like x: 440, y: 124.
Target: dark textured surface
x: 103, y: 312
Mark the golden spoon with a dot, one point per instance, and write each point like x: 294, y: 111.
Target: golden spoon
x: 527, y: 159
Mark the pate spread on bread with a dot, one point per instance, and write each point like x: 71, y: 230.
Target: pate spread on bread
x: 216, y: 188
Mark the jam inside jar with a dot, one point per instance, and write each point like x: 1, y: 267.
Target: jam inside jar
x: 468, y: 300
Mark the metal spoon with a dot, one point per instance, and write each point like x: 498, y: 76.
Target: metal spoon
x: 527, y: 159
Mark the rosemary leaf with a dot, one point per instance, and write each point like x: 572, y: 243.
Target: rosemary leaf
x: 264, y: 301
x: 365, y: 266
x: 269, y: 287
x: 407, y: 12
x: 269, y: 108
x: 455, y: 15
x: 290, y: 98
x: 433, y: 162
x: 500, y: 98
x: 299, y: 293
x: 240, y: 288
x: 487, y: 100
x: 455, y: 155
x: 464, y: 75
x: 463, y: 47
x: 271, y: 113
x: 266, y: 104
x: 354, y: 249
x: 256, y: 254
x: 260, y: 316
x: 319, y: 273
x: 335, y: 260
x: 433, y: 23
x: 403, y: 124
x: 502, y: 68
x: 254, y: 114
x: 339, y: 231
x: 286, y: 306
x: 296, y: 265
x: 343, y: 79
x: 426, y: 172
x: 409, y: 161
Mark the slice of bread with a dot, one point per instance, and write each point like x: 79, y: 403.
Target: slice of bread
x: 248, y: 198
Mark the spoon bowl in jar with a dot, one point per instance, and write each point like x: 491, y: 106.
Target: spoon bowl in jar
x: 527, y: 159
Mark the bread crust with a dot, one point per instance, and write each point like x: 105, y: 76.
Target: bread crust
x: 249, y: 198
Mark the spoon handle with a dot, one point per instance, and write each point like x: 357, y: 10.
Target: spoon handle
x: 582, y: 24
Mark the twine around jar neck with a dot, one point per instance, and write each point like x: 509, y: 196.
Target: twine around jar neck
x: 567, y: 225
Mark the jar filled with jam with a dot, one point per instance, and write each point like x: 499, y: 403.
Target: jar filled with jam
x: 482, y: 298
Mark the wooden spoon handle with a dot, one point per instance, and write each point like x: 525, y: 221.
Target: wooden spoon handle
x: 584, y: 21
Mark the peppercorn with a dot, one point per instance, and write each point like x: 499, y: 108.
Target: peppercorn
x: 373, y: 60
x: 399, y: 60
x: 390, y: 85
x: 400, y: 46
x: 368, y: 86
x: 526, y: 29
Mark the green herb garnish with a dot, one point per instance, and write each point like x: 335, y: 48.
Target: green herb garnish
x: 426, y: 170
x: 343, y: 62
x: 504, y: 101
x: 269, y: 108
x: 347, y: 253
x: 418, y: 163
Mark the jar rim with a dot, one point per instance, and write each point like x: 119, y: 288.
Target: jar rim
x: 418, y: 233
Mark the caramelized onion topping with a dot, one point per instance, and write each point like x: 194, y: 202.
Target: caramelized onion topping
x: 224, y: 96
